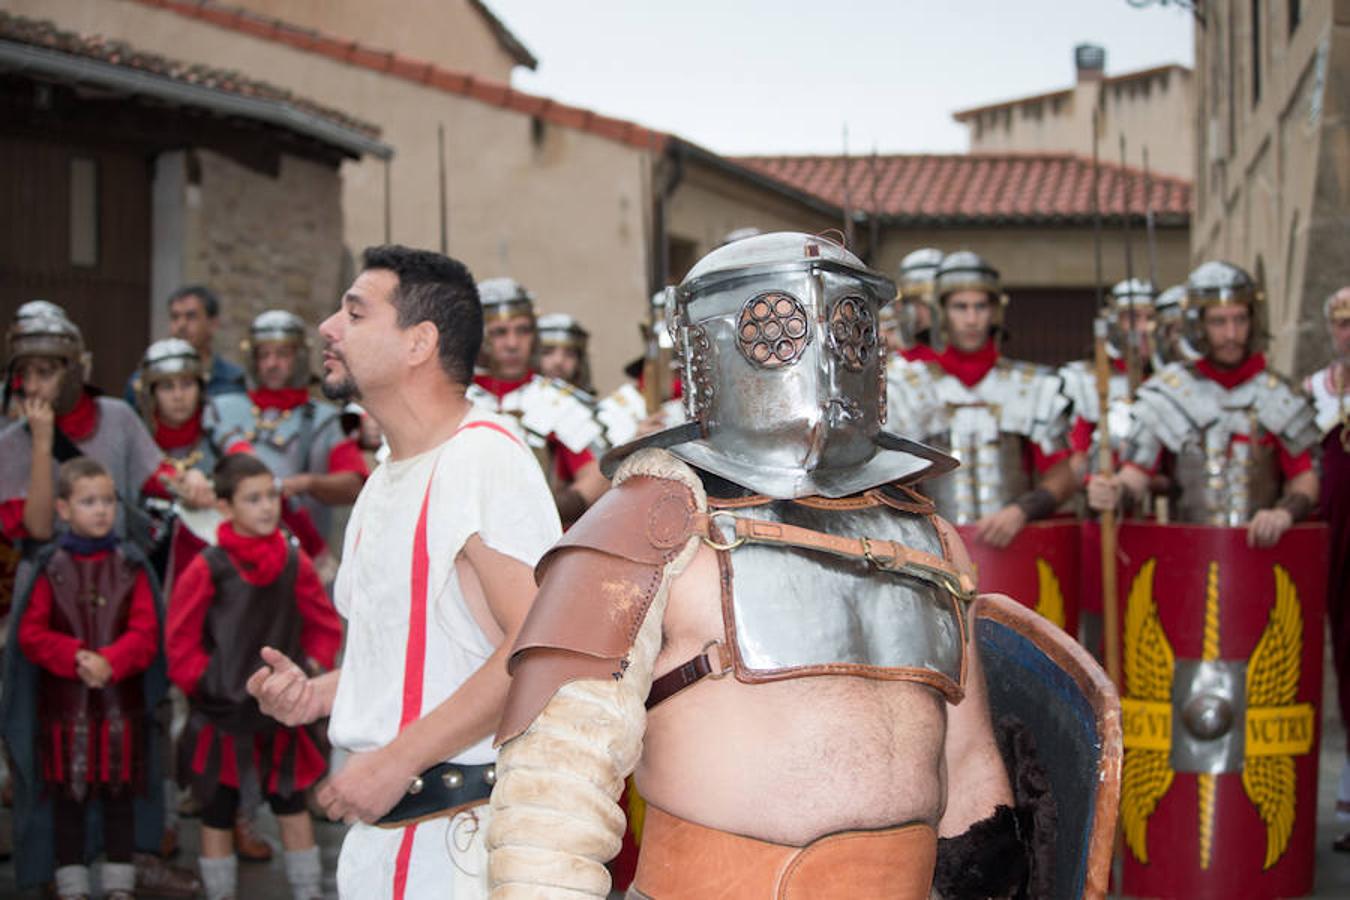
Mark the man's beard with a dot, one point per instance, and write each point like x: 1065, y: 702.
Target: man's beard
x: 341, y: 391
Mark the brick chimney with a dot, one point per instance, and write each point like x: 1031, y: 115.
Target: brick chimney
x: 1090, y: 61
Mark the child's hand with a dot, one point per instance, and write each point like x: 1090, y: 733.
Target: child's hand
x: 93, y: 669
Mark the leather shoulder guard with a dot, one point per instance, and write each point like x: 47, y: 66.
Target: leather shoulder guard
x: 596, y: 586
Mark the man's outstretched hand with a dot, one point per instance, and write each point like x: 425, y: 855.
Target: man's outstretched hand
x: 284, y: 691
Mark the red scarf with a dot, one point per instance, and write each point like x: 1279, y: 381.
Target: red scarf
x: 500, y: 387
x: 1231, y: 378
x: 258, y: 559
x: 282, y: 398
x: 82, y: 421
x: 919, y: 353
x: 174, y: 437
x: 970, y: 368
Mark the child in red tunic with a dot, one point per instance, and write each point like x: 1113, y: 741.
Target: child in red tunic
x: 251, y: 591
x: 92, y: 628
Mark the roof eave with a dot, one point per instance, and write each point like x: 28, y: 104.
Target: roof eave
x: 768, y: 182
x: 24, y: 58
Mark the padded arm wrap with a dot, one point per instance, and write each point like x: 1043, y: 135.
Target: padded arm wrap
x: 555, y: 814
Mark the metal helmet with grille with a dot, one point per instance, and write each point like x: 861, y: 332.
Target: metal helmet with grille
x: 279, y: 326
x: 918, y: 274
x: 966, y: 270
x: 504, y: 298
x: 39, y: 332
x: 1217, y: 284
x: 739, y: 234
x: 784, y: 372
x: 164, y: 360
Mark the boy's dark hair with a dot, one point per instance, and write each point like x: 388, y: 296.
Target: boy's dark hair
x: 234, y: 468
x: 210, y: 302
x: 440, y: 290
x: 72, y: 470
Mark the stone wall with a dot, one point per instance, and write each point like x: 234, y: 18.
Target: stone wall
x: 263, y: 242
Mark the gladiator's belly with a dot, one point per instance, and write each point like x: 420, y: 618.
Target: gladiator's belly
x: 786, y: 761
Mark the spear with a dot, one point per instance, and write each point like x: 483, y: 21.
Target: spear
x: 1131, y: 336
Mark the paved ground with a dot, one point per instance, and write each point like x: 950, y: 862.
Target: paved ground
x: 268, y: 882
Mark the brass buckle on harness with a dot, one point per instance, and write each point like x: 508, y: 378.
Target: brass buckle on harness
x: 712, y: 541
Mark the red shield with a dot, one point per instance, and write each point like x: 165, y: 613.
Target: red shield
x: 1219, y: 780
x: 1039, y: 569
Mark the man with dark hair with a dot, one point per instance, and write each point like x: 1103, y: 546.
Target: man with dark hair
x: 193, y: 314
x: 436, y: 578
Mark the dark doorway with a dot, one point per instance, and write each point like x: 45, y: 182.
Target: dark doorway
x: 1050, y: 325
x: 75, y: 230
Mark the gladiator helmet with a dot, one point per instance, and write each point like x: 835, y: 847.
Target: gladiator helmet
x: 278, y: 326
x: 563, y: 330
x: 1218, y: 283
x: 784, y: 372
x: 37, y: 332
x: 739, y: 234
x: 966, y: 270
x: 504, y: 298
x: 1170, y: 343
x: 163, y: 360
x: 1126, y: 297
x: 918, y: 271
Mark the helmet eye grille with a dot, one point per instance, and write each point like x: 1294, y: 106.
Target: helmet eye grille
x: 853, y: 332
x: 771, y: 330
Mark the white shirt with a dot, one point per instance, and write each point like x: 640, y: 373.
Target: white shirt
x: 485, y: 482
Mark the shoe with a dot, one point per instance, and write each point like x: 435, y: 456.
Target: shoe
x: 248, y: 846
x: 168, y: 843
x: 156, y: 878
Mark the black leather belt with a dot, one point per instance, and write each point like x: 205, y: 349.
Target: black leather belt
x: 442, y: 790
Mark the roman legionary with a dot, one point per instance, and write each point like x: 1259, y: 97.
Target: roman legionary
x: 559, y: 421
x: 294, y: 433
x: 562, y: 350
x: 907, y: 323
x: 776, y: 537
x: 1170, y: 343
x: 1233, y: 436
x: 1005, y: 421
x: 1330, y: 390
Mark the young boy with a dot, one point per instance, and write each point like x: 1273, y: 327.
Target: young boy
x: 92, y: 628
x: 252, y: 590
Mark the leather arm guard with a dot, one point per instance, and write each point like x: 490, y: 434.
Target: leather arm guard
x: 581, y: 670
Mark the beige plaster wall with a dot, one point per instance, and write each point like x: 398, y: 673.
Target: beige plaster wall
x: 564, y: 214
x: 1154, y: 113
x: 450, y: 33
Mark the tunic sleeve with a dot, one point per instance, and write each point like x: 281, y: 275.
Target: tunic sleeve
x: 192, y: 595
x: 52, y: 650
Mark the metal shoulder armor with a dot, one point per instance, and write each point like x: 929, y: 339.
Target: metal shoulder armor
x: 1030, y: 402
x: 1285, y: 411
x: 1080, y: 388
x: 912, y: 402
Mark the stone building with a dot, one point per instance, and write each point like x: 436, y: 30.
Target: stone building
x: 1148, y: 107
x: 1272, y: 184
x: 124, y: 174
x: 1031, y: 215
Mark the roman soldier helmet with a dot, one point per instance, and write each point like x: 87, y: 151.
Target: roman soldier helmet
x: 1126, y: 297
x: 784, y: 372
x: 1218, y: 283
x: 918, y: 272
x: 38, y: 331
x: 504, y: 298
x: 278, y: 326
x: 562, y: 330
x: 163, y: 360
x: 1170, y: 343
x: 966, y: 270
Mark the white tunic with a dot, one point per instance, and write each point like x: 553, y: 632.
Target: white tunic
x: 487, y: 483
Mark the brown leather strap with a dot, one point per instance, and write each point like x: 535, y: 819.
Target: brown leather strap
x: 890, y: 556
x: 695, y: 670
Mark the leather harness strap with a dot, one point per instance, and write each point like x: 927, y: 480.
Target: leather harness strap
x: 888, y: 556
x: 692, y: 672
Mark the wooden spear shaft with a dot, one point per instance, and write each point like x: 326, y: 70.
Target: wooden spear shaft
x: 1105, y: 465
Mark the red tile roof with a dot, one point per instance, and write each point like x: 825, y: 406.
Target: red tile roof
x: 956, y: 189
x: 419, y: 71
x: 46, y: 36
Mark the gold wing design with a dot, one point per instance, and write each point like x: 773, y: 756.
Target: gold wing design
x: 1272, y: 680
x: 1146, y: 775
x: 1050, y: 599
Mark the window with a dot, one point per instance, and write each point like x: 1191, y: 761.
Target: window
x: 1256, y: 52
x: 83, y: 212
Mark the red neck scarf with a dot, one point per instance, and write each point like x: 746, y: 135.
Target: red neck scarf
x: 500, y: 387
x: 919, y: 353
x: 1231, y: 378
x: 970, y: 368
x: 258, y: 559
x: 282, y: 398
x: 82, y: 421
x: 174, y: 437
